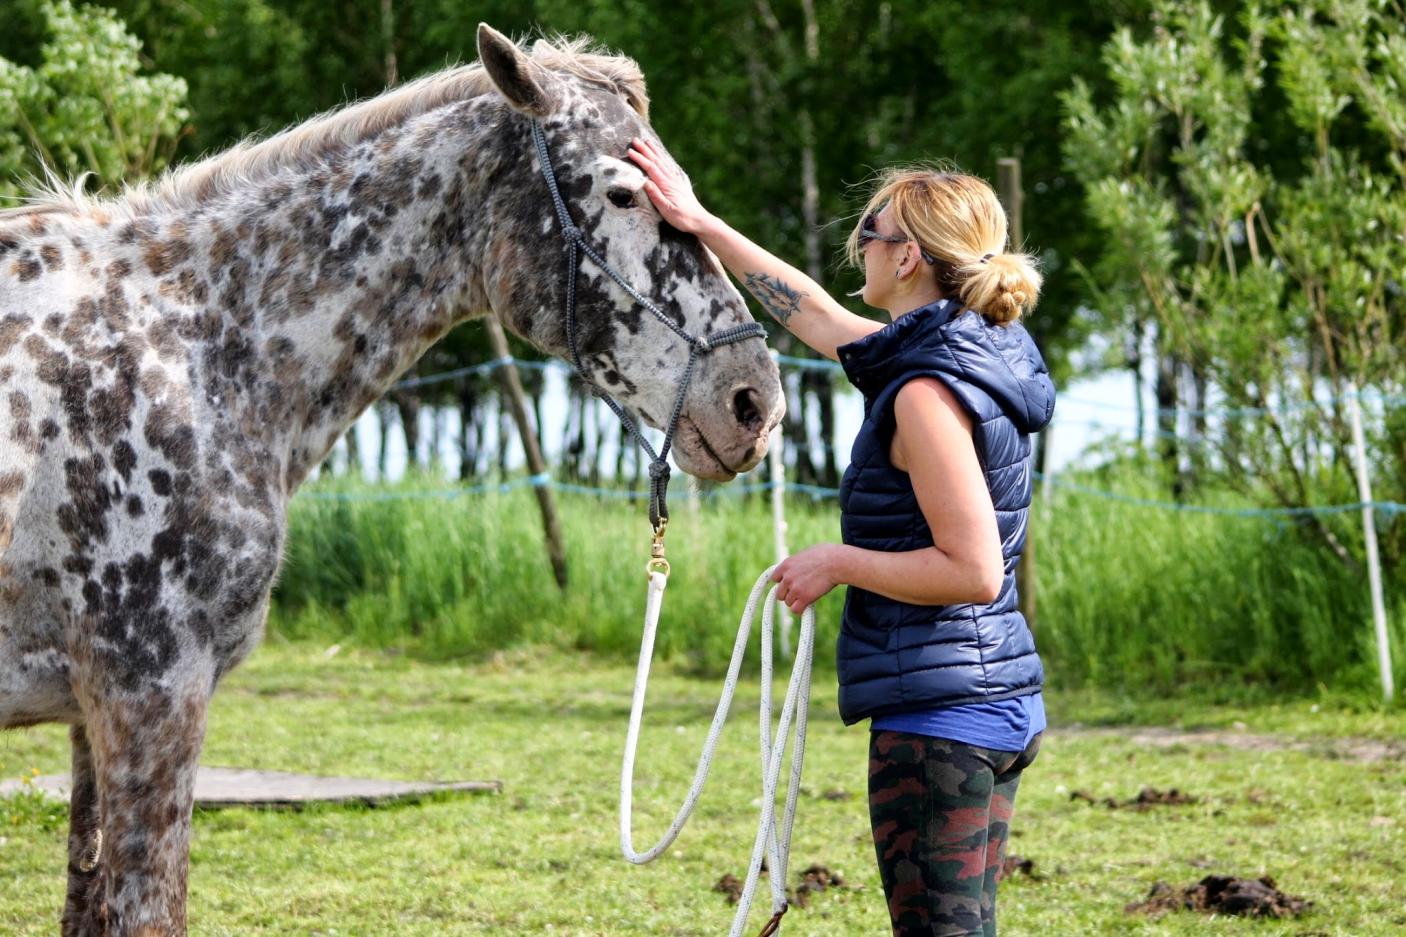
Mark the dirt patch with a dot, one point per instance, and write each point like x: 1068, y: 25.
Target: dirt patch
x: 1346, y: 748
x: 1146, y: 799
x: 815, y: 879
x: 1019, y: 865
x: 1222, y: 894
x: 731, y: 887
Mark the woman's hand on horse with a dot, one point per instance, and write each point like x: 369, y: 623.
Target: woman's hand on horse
x: 806, y: 576
x: 669, y: 189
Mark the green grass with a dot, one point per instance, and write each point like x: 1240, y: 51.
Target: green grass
x: 1136, y: 595
x: 448, y: 578
x: 542, y: 856
x: 1128, y: 595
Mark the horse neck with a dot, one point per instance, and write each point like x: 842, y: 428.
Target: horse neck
x: 330, y: 282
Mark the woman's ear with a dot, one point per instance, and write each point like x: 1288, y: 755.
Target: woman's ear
x: 529, y: 88
x: 908, y: 263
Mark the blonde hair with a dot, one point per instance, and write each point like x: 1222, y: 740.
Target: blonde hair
x: 957, y: 219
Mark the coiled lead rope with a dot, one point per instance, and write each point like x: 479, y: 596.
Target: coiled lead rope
x: 771, y: 841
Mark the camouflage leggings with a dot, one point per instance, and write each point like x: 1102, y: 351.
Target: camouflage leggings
x: 941, y: 812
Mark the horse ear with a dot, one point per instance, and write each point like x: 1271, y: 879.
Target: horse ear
x: 527, y: 85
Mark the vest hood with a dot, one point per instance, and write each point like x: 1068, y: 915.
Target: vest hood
x: 1001, y: 360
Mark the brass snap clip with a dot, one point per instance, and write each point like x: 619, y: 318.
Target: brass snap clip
x: 657, y: 563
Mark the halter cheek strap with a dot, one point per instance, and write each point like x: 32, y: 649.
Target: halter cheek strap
x: 576, y: 246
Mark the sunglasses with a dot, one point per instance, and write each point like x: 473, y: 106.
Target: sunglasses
x: 869, y: 231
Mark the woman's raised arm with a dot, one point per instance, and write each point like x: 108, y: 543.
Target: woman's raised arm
x: 789, y: 296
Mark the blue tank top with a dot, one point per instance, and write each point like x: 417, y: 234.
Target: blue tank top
x: 1005, y: 726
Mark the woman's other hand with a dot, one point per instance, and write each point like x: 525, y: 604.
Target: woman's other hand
x: 669, y: 189
x: 806, y: 576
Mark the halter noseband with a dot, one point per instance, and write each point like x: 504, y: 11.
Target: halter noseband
x: 576, y: 244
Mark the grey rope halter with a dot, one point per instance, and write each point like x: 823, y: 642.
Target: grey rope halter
x: 576, y: 245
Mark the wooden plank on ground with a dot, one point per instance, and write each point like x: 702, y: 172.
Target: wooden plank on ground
x: 243, y: 787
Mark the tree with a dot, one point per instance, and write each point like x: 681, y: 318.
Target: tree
x: 1274, y: 284
x: 85, y: 107
x: 776, y: 109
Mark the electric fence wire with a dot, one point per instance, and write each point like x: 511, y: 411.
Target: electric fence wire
x: 816, y: 492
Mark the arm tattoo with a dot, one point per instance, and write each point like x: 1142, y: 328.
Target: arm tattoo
x: 778, y: 299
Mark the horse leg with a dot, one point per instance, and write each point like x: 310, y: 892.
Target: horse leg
x: 144, y: 752
x: 84, y: 838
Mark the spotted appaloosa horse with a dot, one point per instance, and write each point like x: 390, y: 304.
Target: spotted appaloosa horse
x: 174, y: 362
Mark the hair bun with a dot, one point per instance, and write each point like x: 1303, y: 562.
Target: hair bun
x: 1003, y: 287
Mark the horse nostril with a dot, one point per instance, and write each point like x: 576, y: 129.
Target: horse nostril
x: 744, y: 407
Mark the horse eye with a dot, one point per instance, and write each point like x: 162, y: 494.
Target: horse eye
x: 621, y: 198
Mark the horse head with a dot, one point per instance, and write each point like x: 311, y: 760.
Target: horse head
x: 589, y: 108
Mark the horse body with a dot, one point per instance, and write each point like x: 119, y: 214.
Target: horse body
x: 143, y: 516
x: 175, y: 363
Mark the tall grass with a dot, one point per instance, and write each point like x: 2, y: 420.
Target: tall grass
x: 1134, y: 595
x: 1128, y: 595
x: 466, y: 575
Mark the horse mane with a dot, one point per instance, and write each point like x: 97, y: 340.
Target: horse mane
x: 306, y: 144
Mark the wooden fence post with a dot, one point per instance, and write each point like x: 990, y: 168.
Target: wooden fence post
x: 1008, y: 183
x: 1369, y: 534
x: 517, y: 401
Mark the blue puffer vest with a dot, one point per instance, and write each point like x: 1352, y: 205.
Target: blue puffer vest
x: 893, y: 656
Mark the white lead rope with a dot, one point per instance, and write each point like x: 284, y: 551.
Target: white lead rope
x: 770, y: 841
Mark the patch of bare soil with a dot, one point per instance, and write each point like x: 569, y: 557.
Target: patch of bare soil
x: 1344, y: 748
x: 815, y: 879
x: 1146, y: 799
x: 1222, y: 894
x: 1019, y: 865
x: 731, y: 887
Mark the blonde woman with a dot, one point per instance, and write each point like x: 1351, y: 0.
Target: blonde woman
x: 932, y: 649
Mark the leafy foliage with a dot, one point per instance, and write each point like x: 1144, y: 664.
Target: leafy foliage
x: 1279, y: 284
x: 881, y: 81
x: 86, y: 107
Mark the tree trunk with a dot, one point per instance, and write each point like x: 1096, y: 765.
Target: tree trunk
x: 505, y: 430
x: 1166, y: 391
x: 593, y: 442
x: 385, y: 413
x: 819, y: 382
x: 800, y: 436
x: 388, y: 43
x: 625, y: 442
x: 823, y: 386
x: 436, y: 437
x: 546, y: 502
x: 1025, y: 581
x: 353, y: 439
x: 576, y: 442
x: 468, y: 432
x: 1199, y: 440
x: 537, y: 415
x: 1012, y: 194
x: 1134, y: 361
x: 408, y: 406
x: 466, y: 446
